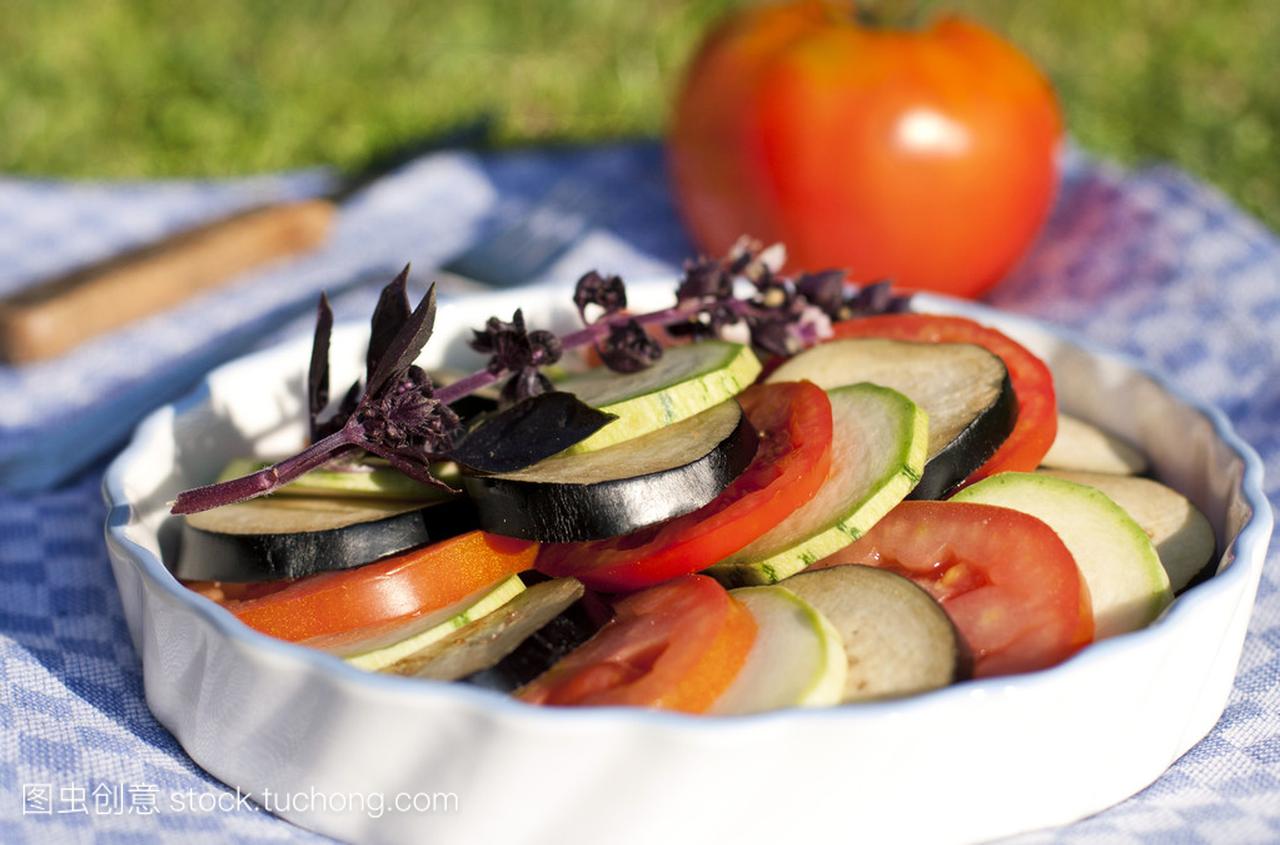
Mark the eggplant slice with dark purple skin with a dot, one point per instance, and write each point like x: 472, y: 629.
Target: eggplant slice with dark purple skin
x: 275, y: 537
x: 594, y: 495
x: 965, y: 390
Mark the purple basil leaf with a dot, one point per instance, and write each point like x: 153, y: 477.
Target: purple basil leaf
x: 824, y: 290
x: 901, y: 304
x: 502, y: 342
x: 545, y: 347
x: 318, y: 372
x: 704, y: 278
x: 512, y: 348
x: 607, y: 292
x: 773, y: 335
x: 707, y: 323
x: 875, y: 299
x: 527, y: 432
x: 350, y: 401
x: 404, y: 348
x: 524, y: 383
x: 629, y: 348
x: 389, y: 316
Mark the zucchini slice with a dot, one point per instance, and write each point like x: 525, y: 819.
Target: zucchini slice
x: 573, y: 497
x: 276, y: 537
x: 1127, y: 584
x: 386, y: 647
x: 897, y: 639
x: 1182, y: 536
x: 372, y: 477
x: 878, y: 446
x: 486, y: 642
x: 1087, y: 448
x: 796, y: 661
x: 964, y: 389
x: 685, y: 381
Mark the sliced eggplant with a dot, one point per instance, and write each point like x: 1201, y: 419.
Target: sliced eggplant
x: 897, y: 640
x: 278, y: 537
x: 1087, y: 448
x: 540, y: 651
x: 485, y: 642
x: 878, y: 444
x: 684, y: 382
x: 797, y: 659
x: 593, y: 495
x: 964, y: 389
x: 1182, y: 536
x: 384, y: 646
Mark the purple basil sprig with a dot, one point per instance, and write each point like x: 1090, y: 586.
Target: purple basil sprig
x: 628, y: 348
x: 389, y: 316
x: 828, y: 291
x: 402, y: 417
x: 397, y: 418
x: 625, y: 346
x: 606, y: 292
x: 784, y: 315
x: 705, y: 278
x: 513, y: 349
x: 318, y: 371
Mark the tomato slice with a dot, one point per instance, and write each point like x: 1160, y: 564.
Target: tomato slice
x: 397, y: 589
x: 791, y: 462
x: 224, y: 592
x: 1032, y: 382
x: 1004, y: 577
x: 676, y: 646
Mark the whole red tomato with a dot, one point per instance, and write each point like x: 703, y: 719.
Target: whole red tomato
x: 925, y: 156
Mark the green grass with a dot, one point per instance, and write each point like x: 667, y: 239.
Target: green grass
x: 143, y: 89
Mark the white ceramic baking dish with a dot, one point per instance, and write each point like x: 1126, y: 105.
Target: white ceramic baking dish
x: 971, y: 762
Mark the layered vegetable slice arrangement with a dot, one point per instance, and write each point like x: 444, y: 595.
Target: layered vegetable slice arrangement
x: 891, y: 504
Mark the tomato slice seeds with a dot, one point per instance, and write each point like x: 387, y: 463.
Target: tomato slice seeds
x: 1005, y: 578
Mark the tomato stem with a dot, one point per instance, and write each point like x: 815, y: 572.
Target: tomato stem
x: 888, y: 14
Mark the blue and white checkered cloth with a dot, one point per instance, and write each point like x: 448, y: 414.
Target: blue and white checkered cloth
x: 1149, y: 262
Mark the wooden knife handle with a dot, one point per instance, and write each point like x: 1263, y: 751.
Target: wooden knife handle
x: 53, y: 316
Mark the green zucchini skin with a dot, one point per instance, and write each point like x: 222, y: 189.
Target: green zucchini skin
x: 555, y: 512
x: 971, y: 448
x: 686, y: 381
x: 879, y: 440
x: 220, y: 556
